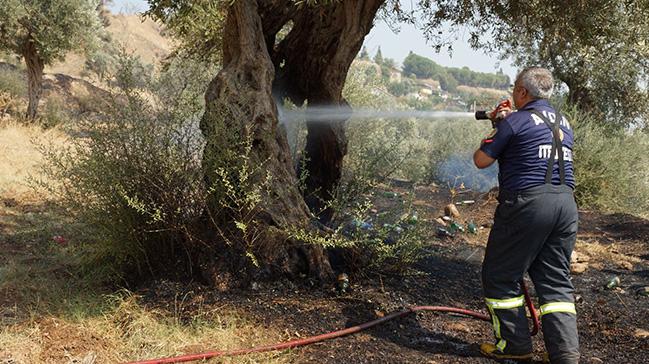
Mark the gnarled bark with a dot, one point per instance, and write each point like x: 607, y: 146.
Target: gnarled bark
x: 239, y: 107
x: 35, y: 66
x: 312, y: 64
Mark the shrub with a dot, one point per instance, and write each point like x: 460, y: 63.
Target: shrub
x: 12, y: 81
x: 131, y: 72
x: 135, y: 176
x: 54, y: 112
x: 611, y: 166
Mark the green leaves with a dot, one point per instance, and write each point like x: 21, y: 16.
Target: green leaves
x: 56, y: 27
x: 198, y: 25
x: 595, y: 47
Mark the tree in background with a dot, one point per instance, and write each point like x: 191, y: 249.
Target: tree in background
x: 420, y: 66
x: 378, y: 57
x: 364, y: 55
x: 598, y: 48
x: 44, y: 31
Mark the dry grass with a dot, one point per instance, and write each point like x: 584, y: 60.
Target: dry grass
x: 597, y: 253
x: 142, y: 38
x: 52, y: 311
x: 20, y: 158
x: 129, y: 331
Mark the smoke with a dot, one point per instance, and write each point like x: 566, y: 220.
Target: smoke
x: 459, y: 169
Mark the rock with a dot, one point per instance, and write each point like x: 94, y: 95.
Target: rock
x: 625, y: 265
x: 595, y: 360
x: 578, y: 268
x: 643, y: 291
x: 574, y: 258
x: 641, y: 333
x: 579, y: 257
x: 451, y: 210
x: 597, y: 265
x: 461, y: 326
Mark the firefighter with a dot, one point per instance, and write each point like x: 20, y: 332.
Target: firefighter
x: 535, y: 223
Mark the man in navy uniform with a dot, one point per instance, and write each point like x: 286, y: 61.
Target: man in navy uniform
x: 535, y: 224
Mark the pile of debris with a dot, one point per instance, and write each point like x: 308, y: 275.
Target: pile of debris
x: 450, y: 225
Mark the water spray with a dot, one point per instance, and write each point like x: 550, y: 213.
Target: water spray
x: 327, y: 114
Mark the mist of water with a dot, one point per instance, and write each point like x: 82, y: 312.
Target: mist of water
x: 327, y: 114
x: 457, y: 169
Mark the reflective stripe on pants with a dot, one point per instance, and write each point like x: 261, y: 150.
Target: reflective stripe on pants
x: 552, y: 307
x: 502, y: 304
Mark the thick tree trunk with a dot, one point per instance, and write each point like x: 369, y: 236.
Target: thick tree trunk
x: 312, y: 64
x: 240, y: 109
x: 35, y: 66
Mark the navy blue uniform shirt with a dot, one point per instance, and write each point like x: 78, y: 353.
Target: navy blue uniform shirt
x: 522, y: 144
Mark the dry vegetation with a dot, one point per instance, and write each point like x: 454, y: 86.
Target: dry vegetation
x: 54, y: 309
x: 140, y: 37
x: 50, y: 309
x: 20, y: 159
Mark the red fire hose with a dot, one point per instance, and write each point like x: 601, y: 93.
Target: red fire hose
x: 339, y: 333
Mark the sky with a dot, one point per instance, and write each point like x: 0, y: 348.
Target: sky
x: 396, y: 46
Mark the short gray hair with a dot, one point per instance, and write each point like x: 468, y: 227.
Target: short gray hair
x: 537, y: 81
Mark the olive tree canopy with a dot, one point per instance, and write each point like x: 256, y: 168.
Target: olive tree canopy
x: 44, y: 31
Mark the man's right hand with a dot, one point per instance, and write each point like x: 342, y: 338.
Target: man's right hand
x: 501, y: 111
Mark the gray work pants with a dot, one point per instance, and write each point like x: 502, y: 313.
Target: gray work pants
x: 534, y: 231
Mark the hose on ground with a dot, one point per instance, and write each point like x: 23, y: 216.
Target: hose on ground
x: 339, y: 333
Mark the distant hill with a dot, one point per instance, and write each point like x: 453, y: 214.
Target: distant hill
x: 425, y: 85
x: 143, y: 37
x: 451, y: 77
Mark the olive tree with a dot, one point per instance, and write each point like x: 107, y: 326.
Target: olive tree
x: 44, y: 31
x: 301, y: 50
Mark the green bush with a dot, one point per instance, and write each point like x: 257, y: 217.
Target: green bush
x: 134, y: 176
x: 611, y: 166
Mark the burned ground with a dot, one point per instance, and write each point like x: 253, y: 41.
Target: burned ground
x: 613, y: 323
